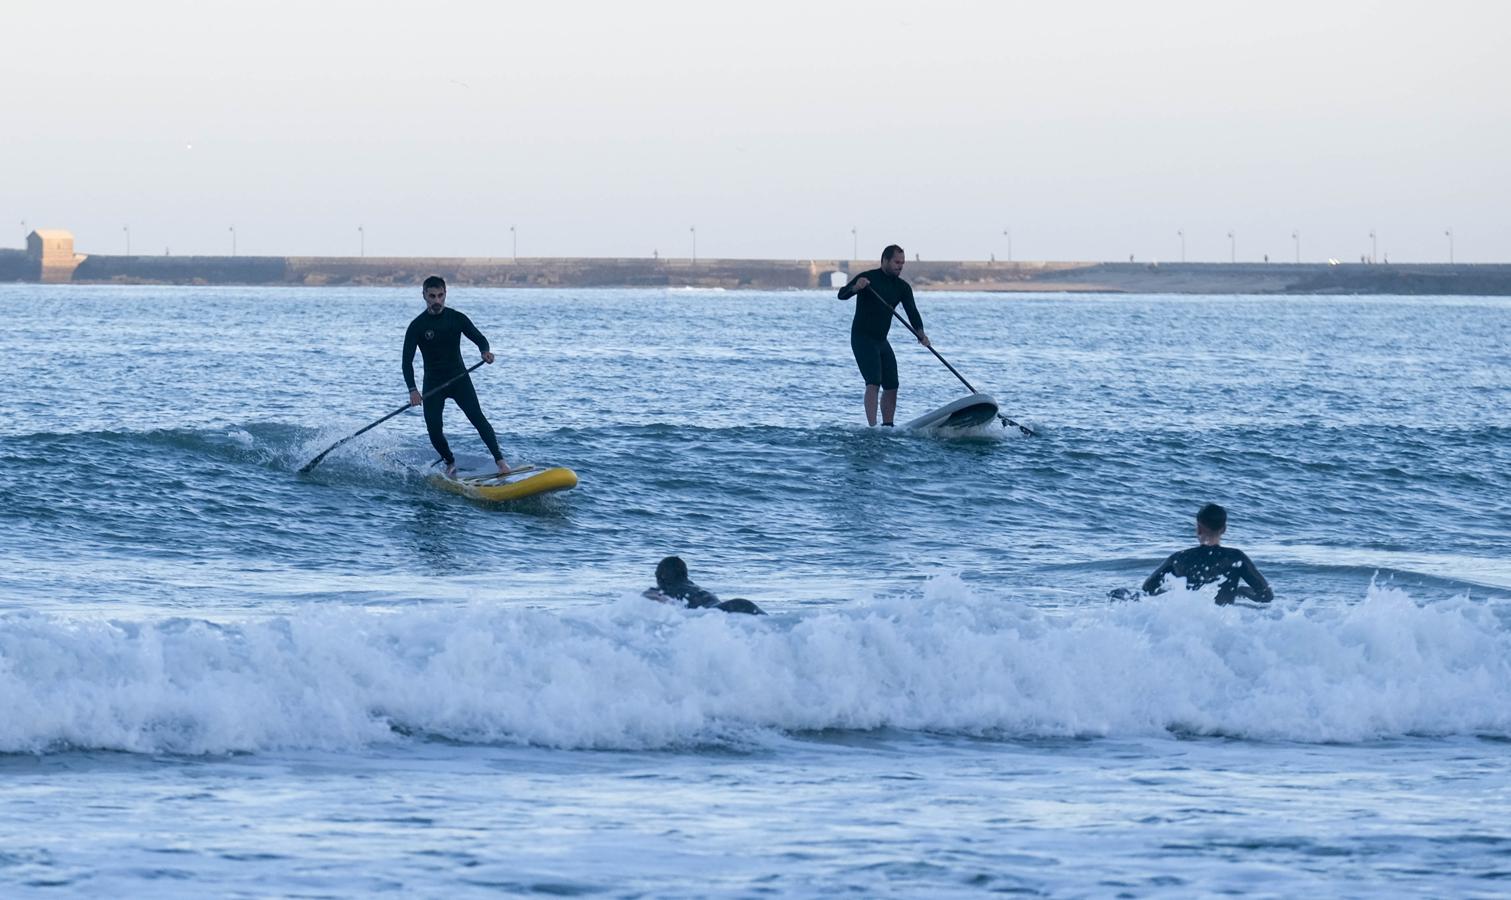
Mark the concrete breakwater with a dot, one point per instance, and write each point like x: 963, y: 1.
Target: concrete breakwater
x: 759, y: 274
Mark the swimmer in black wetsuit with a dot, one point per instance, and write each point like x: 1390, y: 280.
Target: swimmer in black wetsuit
x: 873, y: 319
x: 1209, y: 561
x: 437, y: 332
x: 672, y: 584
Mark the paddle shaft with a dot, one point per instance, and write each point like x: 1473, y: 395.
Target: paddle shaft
x: 909, y: 326
x: 316, y: 461
x: 937, y: 355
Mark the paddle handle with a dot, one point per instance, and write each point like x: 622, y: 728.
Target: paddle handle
x: 307, y: 467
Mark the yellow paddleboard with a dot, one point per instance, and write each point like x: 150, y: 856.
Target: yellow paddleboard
x: 525, y: 481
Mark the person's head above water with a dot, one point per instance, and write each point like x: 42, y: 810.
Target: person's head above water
x: 893, y: 259
x: 434, y: 292
x: 671, y: 570
x: 1211, y: 522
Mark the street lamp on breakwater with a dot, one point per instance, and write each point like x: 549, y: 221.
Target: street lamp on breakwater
x: 1374, y: 246
x: 361, y: 241
x: 1296, y: 236
x: 1449, y: 234
x: 1008, y: 233
x: 854, y: 243
x: 1181, y: 233
x: 513, y: 243
x: 694, y: 230
x: 127, y: 229
x: 233, y: 240
x: 1232, y: 248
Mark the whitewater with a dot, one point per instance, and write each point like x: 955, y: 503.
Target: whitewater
x: 220, y: 677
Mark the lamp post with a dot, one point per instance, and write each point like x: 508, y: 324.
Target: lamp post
x: 513, y: 243
x: 1449, y: 234
x: 1008, y: 233
x: 1232, y: 248
x: 1374, y: 246
x: 361, y: 241
x: 854, y: 244
x: 1296, y: 236
x: 1181, y: 233
x: 694, y: 230
x: 127, y: 229
x: 233, y: 240
x: 24, y: 232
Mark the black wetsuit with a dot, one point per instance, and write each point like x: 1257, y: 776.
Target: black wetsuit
x: 1203, y: 564
x: 697, y: 598
x: 868, y: 330
x: 439, y: 339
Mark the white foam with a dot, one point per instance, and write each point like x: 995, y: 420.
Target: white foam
x: 635, y: 674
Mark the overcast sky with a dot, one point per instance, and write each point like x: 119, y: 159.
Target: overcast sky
x: 1092, y: 130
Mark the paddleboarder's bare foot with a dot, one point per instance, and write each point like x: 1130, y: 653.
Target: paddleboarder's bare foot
x: 503, y: 467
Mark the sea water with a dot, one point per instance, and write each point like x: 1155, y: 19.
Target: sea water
x: 221, y: 678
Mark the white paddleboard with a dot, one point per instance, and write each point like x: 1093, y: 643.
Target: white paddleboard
x: 967, y: 412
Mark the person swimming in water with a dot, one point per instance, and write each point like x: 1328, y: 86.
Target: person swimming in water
x: 673, y: 584
x: 1209, y: 561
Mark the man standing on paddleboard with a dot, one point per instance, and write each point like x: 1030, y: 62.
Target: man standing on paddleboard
x: 437, y: 332
x: 876, y: 294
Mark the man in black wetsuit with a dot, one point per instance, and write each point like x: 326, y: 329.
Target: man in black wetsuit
x: 672, y: 584
x: 437, y: 332
x: 876, y: 294
x: 1209, y: 561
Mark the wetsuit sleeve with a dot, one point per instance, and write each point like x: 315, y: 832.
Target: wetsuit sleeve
x: 694, y: 596
x: 473, y: 334
x: 911, y: 307
x: 848, y: 291
x: 1250, y: 573
x: 411, y: 343
x: 1153, y: 582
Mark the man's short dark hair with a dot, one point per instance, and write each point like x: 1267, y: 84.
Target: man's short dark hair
x: 891, y: 251
x: 1212, y: 517
x: 434, y: 281
x: 671, y: 570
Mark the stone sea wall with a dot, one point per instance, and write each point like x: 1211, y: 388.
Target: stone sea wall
x: 757, y: 274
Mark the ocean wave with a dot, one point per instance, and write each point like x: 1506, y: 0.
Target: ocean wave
x: 635, y: 675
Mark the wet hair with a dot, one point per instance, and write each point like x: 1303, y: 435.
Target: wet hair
x: 1213, y: 518
x: 671, y: 570
x: 891, y: 251
x: 434, y: 281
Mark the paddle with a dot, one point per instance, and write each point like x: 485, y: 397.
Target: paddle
x: 1005, y: 420
x: 316, y: 461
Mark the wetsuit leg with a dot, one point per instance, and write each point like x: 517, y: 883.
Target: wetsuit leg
x: 466, y: 397
x: 888, y: 367
x: 435, y: 407
x: 868, y: 358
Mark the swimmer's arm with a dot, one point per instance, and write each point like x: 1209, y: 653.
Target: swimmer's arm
x: 656, y: 595
x: 1154, y: 584
x: 1258, y: 589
